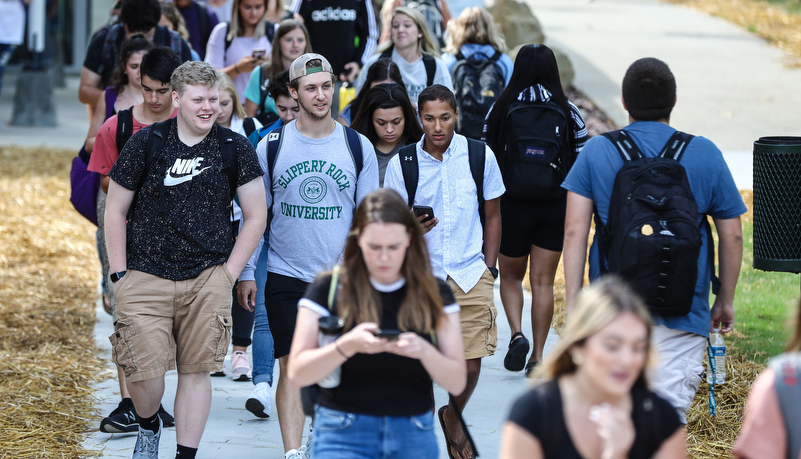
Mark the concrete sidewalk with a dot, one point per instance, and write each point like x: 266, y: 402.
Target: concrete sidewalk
x: 733, y: 87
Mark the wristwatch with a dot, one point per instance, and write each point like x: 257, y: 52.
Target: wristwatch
x: 494, y: 271
x: 117, y: 276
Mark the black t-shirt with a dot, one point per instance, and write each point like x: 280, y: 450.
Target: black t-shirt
x: 380, y: 384
x: 539, y: 411
x: 94, y: 53
x: 195, y: 231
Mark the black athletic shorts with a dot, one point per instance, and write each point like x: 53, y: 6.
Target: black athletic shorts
x: 281, y: 296
x: 525, y: 223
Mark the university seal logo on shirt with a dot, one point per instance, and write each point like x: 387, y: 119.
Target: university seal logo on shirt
x: 313, y: 190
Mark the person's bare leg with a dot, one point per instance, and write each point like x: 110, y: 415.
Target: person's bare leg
x: 541, y: 275
x: 458, y: 402
x: 289, y: 408
x: 123, y: 386
x: 146, y: 395
x: 512, y: 271
x: 192, y: 406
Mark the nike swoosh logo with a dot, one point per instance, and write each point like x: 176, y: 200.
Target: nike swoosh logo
x: 170, y: 180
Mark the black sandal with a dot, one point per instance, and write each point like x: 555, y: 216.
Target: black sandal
x: 515, y: 358
x: 530, y: 367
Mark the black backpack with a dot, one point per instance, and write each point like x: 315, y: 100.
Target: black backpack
x: 652, y: 238
x: 478, y: 81
x: 538, y: 156
x: 410, y: 169
x: 433, y: 16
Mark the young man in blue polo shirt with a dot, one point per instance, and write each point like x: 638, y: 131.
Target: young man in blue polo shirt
x: 649, y: 95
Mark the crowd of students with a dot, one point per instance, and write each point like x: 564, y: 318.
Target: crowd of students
x: 387, y: 219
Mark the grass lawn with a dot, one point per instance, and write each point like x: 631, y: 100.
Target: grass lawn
x: 765, y: 304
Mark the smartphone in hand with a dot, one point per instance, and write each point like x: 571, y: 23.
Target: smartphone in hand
x: 259, y: 53
x: 423, y: 210
x: 390, y: 335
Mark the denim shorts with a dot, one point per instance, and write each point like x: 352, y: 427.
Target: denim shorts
x: 339, y: 434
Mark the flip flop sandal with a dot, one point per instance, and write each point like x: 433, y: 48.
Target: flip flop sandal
x: 515, y: 359
x: 450, y: 442
x: 530, y: 367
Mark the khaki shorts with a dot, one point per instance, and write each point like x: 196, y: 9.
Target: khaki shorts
x: 162, y: 322
x: 478, y: 314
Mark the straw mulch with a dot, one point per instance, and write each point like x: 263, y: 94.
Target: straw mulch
x: 47, y: 282
x: 771, y: 22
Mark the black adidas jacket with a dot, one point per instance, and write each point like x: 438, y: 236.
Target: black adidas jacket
x: 341, y: 30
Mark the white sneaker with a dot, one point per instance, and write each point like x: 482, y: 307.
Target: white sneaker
x: 240, y: 368
x: 307, y: 447
x: 295, y: 454
x: 259, y: 401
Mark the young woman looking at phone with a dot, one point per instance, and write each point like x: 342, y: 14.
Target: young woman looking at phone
x: 385, y: 283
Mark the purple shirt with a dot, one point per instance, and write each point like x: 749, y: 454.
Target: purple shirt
x: 198, y: 38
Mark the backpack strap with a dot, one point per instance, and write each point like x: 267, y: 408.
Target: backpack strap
x: 496, y: 56
x: 249, y: 125
x: 155, y: 141
x: 387, y: 54
x: 124, y: 127
x: 333, y: 289
x: 109, y: 50
x: 176, y: 43
x: 274, y: 140
x: 410, y: 170
x: 269, y: 30
x: 625, y: 145
x: 355, y: 149
x: 228, y: 41
x: 676, y: 145
x: 431, y: 69
x: 476, y: 151
x: 787, y: 371
x: 263, y: 83
x: 230, y: 160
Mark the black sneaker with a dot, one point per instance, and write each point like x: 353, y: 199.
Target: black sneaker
x: 122, y: 419
x: 166, y: 418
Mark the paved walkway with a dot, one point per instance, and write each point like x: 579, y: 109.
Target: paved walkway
x: 732, y: 86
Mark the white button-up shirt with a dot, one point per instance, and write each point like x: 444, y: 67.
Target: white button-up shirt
x: 455, y: 243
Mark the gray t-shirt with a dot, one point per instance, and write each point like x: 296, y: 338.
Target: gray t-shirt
x: 383, y: 160
x: 314, y: 192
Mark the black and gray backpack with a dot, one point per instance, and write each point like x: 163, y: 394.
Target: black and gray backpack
x: 478, y: 82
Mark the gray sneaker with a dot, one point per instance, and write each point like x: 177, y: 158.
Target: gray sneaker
x: 147, y: 443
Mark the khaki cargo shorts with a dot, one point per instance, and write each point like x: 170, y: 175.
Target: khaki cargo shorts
x: 478, y: 314
x: 161, y: 323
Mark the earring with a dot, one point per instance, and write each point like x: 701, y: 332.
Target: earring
x: 577, y: 360
x: 420, y: 36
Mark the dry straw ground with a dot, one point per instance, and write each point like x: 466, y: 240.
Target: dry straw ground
x: 769, y: 21
x: 47, y: 281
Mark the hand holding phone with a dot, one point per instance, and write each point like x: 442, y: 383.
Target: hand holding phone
x: 259, y: 53
x: 388, y: 334
x: 423, y: 210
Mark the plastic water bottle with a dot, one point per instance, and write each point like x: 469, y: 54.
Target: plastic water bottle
x: 330, y: 328
x: 717, y: 349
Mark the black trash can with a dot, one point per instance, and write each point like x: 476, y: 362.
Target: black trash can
x: 777, y: 204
